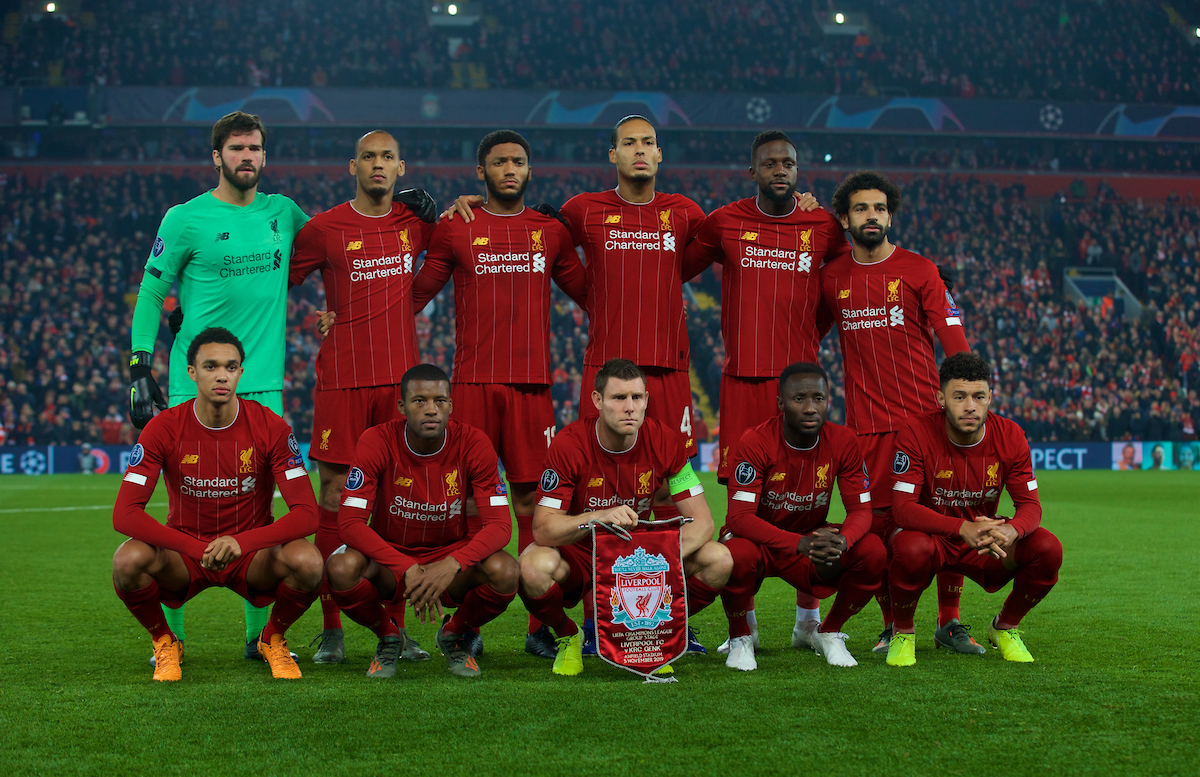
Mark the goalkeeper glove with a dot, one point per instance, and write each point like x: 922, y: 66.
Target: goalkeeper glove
x: 144, y: 394
x: 547, y: 209
x: 947, y: 276
x: 175, y: 320
x: 419, y: 202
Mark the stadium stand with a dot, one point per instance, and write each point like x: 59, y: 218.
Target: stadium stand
x: 1131, y: 52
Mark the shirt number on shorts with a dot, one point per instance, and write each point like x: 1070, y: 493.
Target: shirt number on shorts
x: 685, y: 426
x: 548, y: 432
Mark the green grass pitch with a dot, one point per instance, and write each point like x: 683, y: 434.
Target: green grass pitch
x: 1113, y: 691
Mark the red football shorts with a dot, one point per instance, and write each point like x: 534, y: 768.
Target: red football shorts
x: 232, y: 577
x: 797, y: 571
x: 745, y: 403
x: 340, y: 416
x: 878, y: 452
x: 517, y: 418
x: 670, y: 400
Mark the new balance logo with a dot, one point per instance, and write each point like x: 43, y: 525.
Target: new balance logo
x: 613, y: 219
x: 778, y: 476
x: 354, y: 245
x: 896, y: 316
x: 479, y: 241
x: 191, y: 458
x: 946, y: 473
x: 843, y: 294
x: 749, y: 236
x: 221, y: 236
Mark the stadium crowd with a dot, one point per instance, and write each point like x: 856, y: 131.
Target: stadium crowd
x: 73, y: 252
x: 1132, y: 52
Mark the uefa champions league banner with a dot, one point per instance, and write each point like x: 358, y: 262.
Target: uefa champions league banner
x: 536, y: 108
x: 640, y: 596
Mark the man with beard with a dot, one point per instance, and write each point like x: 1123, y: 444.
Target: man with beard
x: 365, y: 250
x: 228, y: 250
x: 770, y: 250
x: 884, y: 301
x: 502, y: 262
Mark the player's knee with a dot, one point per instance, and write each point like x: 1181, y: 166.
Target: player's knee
x: 344, y: 570
x: 305, y: 562
x: 537, y: 569
x: 911, y: 550
x: 1043, y: 548
x: 714, y: 564
x: 131, y: 561
x: 870, y: 554
x: 502, y: 572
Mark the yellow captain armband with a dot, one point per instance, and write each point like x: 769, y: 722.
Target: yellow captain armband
x: 685, y: 482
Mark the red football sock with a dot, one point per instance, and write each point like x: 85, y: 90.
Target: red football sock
x: 949, y: 592
x: 363, y: 605
x: 327, y: 541
x: 910, y: 572
x: 737, y: 598
x: 481, y: 604
x: 144, y: 604
x: 862, y: 567
x: 806, y: 600
x: 1039, y: 557
x: 290, y: 604
x: 395, y: 610
x: 883, y: 595
x: 589, y: 605
x: 700, y: 595
x: 548, y: 608
x: 524, y: 540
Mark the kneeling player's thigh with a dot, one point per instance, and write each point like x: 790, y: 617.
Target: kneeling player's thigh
x: 346, y: 567
x: 526, y: 429
x: 135, y: 558
x: 796, y: 570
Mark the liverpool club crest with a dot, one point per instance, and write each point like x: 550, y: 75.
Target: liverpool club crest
x: 641, y: 598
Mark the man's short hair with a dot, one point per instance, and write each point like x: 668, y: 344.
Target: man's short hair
x: 365, y: 135
x: 621, y: 369
x: 430, y: 372
x: 865, y: 180
x: 769, y: 136
x: 236, y: 123
x: 964, y: 365
x: 631, y: 117
x: 493, y: 139
x: 215, y: 334
x: 802, y: 368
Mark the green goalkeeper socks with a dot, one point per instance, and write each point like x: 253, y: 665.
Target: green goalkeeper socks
x: 256, y: 620
x: 175, y: 620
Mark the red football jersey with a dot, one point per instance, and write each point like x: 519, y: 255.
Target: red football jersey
x: 883, y: 313
x: 939, y: 484
x: 366, y: 263
x: 416, y: 501
x: 770, y: 282
x: 502, y: 266
x: 778, y: 493
x: 634, y: 256
x: 582, y: 475
x: 219, y: 481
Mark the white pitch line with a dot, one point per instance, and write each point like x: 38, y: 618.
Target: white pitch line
x: 67, y: 509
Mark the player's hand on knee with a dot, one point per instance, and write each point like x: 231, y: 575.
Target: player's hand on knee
x: 325, y: 321
x: 462, y: 206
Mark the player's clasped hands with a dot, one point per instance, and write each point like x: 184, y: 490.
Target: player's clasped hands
x: 824, y: 545
x: 424, y: 586
x: 989, y: 537
x: 220, y: 553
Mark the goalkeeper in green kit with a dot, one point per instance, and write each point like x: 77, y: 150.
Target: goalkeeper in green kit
x: 228, y: 250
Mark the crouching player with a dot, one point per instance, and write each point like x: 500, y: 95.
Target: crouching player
x: 222, y: 458
x: 607, y: 470
x: 950, y: 467
x: 782, y: 479
x: 412, y: 477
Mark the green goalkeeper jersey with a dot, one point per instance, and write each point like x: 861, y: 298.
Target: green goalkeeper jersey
x: 231, y: 264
